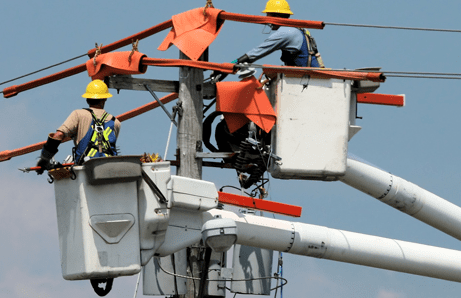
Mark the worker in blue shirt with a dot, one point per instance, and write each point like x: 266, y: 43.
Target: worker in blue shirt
x: 297, y: 46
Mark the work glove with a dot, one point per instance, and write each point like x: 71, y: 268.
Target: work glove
x: 49, y: 150
x: 217, y: 76
x: 242, y: 59
x: 44, y: 163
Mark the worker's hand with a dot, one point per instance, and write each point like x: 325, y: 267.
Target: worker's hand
x: 44, y: 163
x: 217, y: 76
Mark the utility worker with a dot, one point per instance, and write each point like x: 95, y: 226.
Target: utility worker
x: 297, y: 46
x: 93, y: 130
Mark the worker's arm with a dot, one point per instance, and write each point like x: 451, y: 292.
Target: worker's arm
x: 285, y: 38
x: 49, y: 150
x: 58, y: 135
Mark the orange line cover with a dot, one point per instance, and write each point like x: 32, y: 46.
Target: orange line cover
x: 128, y: 40
x: 244, y: 101
x: 327, y: 74
x: 223, y: 67
x: 270, y: 20
x: 259, y: 204
x: 14, y: 90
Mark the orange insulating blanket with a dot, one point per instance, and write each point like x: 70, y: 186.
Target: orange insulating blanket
x: 326, y: 74
x: 193, y: 31
x: 270, y: 20
x: 8, y: 154
x: 223, y: 67
x: 244, y: 101
x: 116, y: 63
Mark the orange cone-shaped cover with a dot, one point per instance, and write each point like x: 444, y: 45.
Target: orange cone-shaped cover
x: 193, y: 31
x: 244, y: 101
x: 115, y: 63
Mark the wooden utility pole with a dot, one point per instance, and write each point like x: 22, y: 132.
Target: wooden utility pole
x: 189, y: 142
x: 189, y: 136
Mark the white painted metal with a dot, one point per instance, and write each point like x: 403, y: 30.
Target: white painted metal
x: 312, y: 130
x: 216, y: 287
x: 404, y: 196
x: 153, y: 215
x: 251, y: 264
x: 98, y: 228
x: 343, y: 246
x: 192, y: 194
x: 157, y: 282
x: 184, y: 229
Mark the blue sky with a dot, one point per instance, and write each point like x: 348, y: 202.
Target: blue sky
x: 419, y: 142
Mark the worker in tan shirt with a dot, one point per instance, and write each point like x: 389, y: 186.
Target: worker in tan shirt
x: 93, y: 130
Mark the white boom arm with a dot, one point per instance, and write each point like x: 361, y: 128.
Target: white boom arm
x: 404, y: 196
x: 321, y: 242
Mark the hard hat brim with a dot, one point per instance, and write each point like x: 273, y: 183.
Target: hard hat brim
x: 96, y: 96
x: 278, y: 11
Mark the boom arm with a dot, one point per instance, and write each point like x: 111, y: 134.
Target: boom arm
x: 404, y: 196
x: 343, y: 246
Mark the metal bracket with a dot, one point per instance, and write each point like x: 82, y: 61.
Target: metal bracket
x: 161, y: 104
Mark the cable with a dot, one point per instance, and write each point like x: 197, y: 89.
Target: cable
x: 231, y: 186
x: 137, y: 285
x: 223, y: 279
x: 424, y: 77
x: 424, y: 73
x: 403, y: 74
x: 394, y: 27
x: 51, y: 66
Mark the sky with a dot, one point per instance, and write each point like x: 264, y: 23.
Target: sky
x: 419, y: 142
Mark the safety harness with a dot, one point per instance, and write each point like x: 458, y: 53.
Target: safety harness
x: 99, y: 141
x: 307, y: 56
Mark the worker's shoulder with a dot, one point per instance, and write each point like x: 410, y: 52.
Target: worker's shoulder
x: 290, y: 30
x: 81, y: 113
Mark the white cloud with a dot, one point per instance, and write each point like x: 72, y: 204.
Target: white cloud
x: 389, y: 294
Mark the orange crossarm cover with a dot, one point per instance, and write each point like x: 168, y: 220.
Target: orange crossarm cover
x: 381, y: 99
x: 8, y: 154
x: 259, y: 204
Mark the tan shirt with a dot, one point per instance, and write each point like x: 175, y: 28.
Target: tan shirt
x: 77, y: 124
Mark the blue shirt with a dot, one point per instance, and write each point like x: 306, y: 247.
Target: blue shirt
x: 285, y: 38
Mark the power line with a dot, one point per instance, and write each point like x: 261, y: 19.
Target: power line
x: 51, y: 66
x: 395, y: 27
x: 425, y: 77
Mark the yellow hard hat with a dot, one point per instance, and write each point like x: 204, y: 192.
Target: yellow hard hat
x: 97, y: 89
x: 277, y: 6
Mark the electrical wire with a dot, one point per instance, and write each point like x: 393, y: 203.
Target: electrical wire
x: 394, y: 27
x: 401, y: 74
x: 37, y: 71
x: 424, y: 77
x: 223, y: 279
x: 137, y: 285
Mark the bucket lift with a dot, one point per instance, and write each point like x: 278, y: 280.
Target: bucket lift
x: 119, y: 216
